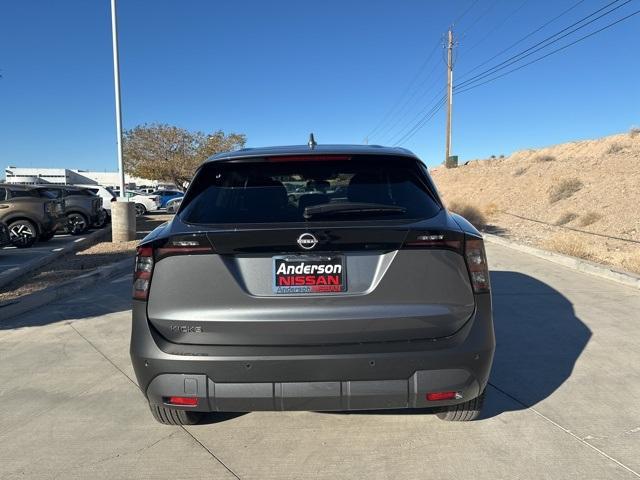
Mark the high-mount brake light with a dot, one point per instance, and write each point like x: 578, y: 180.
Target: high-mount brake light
x: 477, y: 264
x: 142, y: 273
x: 307, y: 158
x: 184, y: 245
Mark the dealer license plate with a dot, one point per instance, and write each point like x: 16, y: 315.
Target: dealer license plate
x: 309, y: 275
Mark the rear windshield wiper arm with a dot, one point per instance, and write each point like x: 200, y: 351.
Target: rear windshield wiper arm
x: 351, y: 208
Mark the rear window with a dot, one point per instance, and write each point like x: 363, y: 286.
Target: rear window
x: 307, y: 191
x: 27, y: 193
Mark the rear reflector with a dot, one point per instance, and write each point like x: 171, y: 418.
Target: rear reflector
x: 182, y: 401
x: 435, y: 396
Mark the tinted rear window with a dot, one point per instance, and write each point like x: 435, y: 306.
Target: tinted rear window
x: 282, y: 192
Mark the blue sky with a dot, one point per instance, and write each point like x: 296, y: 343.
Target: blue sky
x: 278, y: 70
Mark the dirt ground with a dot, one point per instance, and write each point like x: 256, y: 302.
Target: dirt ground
x: 580, y: 198
x: 74, y: 264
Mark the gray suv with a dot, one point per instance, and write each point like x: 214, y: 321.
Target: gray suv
x: 83, y: 208
x: 30, y: 214
x: 312, y: 279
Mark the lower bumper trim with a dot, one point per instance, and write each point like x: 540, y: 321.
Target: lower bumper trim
x: 316, y: 396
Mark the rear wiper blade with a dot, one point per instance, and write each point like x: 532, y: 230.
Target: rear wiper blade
x: 351, y: 208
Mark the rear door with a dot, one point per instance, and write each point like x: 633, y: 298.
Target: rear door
x: 326, y: 250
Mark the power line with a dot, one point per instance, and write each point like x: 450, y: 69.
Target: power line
x: 518, y: 42
x: 388, y: 115
x: 552, y: 52
x: 461, y: 16
x: 479, y: 17
x: 408, y: 102
x: 435, y: 109
x: 536, y: 48
x: 417, y: 116
x: 496, y: 27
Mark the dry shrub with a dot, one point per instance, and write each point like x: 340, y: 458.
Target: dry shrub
x: 632, y: 263
x: 544, y: 158
x: 569, y: 245
x: 589, y: 218
x: 470, y: 212
x: 634, y: 132
x: 491, y: 209
x: 564, y: 189
x: 566, y: 218
x: 519, y: 171
x: 615, y: 147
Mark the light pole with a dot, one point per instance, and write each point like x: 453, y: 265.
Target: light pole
x: 123, y: 216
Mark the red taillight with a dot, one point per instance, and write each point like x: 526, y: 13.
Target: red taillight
x: 182, y: 401
x: 184, y: 245
x: 142, y: 273
x: 477, y: 264
x: 435, y: 396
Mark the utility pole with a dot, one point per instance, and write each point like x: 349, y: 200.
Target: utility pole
x: 449, y: 97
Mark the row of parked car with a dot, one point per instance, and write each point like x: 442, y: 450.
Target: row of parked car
x: 31, y: 213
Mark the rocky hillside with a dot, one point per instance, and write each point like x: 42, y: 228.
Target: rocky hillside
x: 559, y: 196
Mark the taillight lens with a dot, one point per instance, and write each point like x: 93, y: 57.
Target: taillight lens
x: 477, y: 265
x: 435, y: 240
x: 142, y: 273
x: 184, y: 245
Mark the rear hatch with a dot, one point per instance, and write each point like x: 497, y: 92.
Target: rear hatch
x: 299, y: 251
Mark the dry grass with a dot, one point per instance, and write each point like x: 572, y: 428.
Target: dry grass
x: 569, y: 245
x: 565, y: 218
x: 632, y: 263
x: 470, y: 212
x: 564, y: 189
x: 520, y: 171
x: 491, y: 209
x: 634, y: 132
x: 544, y: 158
x: 589, y: 218
x: 614, y: 148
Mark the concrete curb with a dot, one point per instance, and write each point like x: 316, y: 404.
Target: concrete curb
x: 11, y: 275
x: 620, y: 276
x: 34, y: 300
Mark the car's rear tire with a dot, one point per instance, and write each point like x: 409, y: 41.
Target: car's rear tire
x: 169, y: 416
x: 22, y: 233
x: 77, y: 223
x: 140, y: 209
x: 463, y: 412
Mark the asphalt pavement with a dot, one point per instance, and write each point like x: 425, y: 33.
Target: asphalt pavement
x: 562, y: 399
x: 12, y: 258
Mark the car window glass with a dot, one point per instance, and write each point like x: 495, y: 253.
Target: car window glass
x: 277, y: 192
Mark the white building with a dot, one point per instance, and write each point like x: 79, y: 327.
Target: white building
x: 64, y: 176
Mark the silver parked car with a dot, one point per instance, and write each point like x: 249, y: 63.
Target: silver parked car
x: 174, y: 204
x: 361, y: 292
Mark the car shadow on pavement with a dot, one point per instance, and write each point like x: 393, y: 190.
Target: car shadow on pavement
x: 539, y: 338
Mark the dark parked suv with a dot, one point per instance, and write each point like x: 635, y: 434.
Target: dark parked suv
x: 31, y: 214
x: 312, y: 279
x: 83, y: 208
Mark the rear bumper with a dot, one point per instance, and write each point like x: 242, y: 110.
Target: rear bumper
x: 340, y: 377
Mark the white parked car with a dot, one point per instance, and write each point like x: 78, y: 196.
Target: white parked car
x: 144, y: 203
